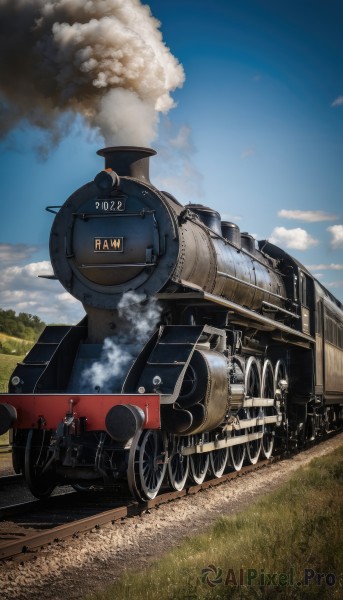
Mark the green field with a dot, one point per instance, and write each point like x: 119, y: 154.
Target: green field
x: 287, y: 545
x: 14, y: 346
x: 7, y: 366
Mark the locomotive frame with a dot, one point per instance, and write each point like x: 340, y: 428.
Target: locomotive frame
x: 248, y: 350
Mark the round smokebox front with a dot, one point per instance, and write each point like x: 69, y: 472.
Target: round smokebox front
x: 102, y: 247
x: 111, y: 249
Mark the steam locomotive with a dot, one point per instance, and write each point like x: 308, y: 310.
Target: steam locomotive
x: 200, y: 348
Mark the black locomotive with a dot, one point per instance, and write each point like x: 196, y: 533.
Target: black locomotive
x: 199, y: 348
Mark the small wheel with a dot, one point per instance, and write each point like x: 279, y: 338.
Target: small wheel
x: 237, y: 452
x: 218, y: 461
x: 147, y: 464
x: 199, y: 466
x: 38, y: 470
x: 268, y: 391
x: 254, y: 446
x: 178, y: 467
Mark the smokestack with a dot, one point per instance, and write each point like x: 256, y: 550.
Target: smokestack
x: 128, y: 161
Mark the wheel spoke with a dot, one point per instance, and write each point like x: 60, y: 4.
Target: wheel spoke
x: 178, y: 465
x: 146, y: 468
x: 268, y: 391
x: 253, y: 447
x: 218, y: 461
x: 253, y: 389
x: 199, y: 466
x: 237, y: 452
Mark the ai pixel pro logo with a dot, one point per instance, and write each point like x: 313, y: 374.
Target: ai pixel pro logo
x: 214, y: 576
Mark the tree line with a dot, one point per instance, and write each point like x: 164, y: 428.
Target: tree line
x: 23, y: 325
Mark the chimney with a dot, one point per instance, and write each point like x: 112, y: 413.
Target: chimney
x: 128, y: 161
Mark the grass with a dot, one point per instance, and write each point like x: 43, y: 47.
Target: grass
x: 7, y: 366
x: 286, y: 545
x: 10, y: 345
x: 4, y: 337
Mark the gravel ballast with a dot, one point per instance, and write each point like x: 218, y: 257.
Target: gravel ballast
x: 94, y: 560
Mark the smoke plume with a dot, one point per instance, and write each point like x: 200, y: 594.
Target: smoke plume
x: 102, y: 59
x: 139, y: 320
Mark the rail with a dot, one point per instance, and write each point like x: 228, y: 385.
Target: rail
x: 28, y: 542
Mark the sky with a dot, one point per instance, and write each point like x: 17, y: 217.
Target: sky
x: 250, y: 123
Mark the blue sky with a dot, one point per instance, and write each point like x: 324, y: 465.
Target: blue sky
x: 256, y: 133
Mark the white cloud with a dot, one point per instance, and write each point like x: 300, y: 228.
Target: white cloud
x: 334, y: 284
x: 337, y: 236
x: 247, y: 153
x: 311, y: 216
x: 23, y: 291
x: 12, y: 254
x: 297, y: 238
x: 338, y: 101
x: 323, y: 267
x: 25, y: 276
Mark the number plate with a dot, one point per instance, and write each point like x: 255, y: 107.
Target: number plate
x: 108, y: 244
x: 111, y: 205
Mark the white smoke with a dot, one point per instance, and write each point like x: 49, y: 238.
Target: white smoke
x: 139, y: 319
x: 142, y: 315
x: 105, y: 375
x: 102, y: 59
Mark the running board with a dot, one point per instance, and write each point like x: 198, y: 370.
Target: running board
x: 248, y: 315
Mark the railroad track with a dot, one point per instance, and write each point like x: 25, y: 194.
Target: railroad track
x: 6, y: 480
x: 26, y: 527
